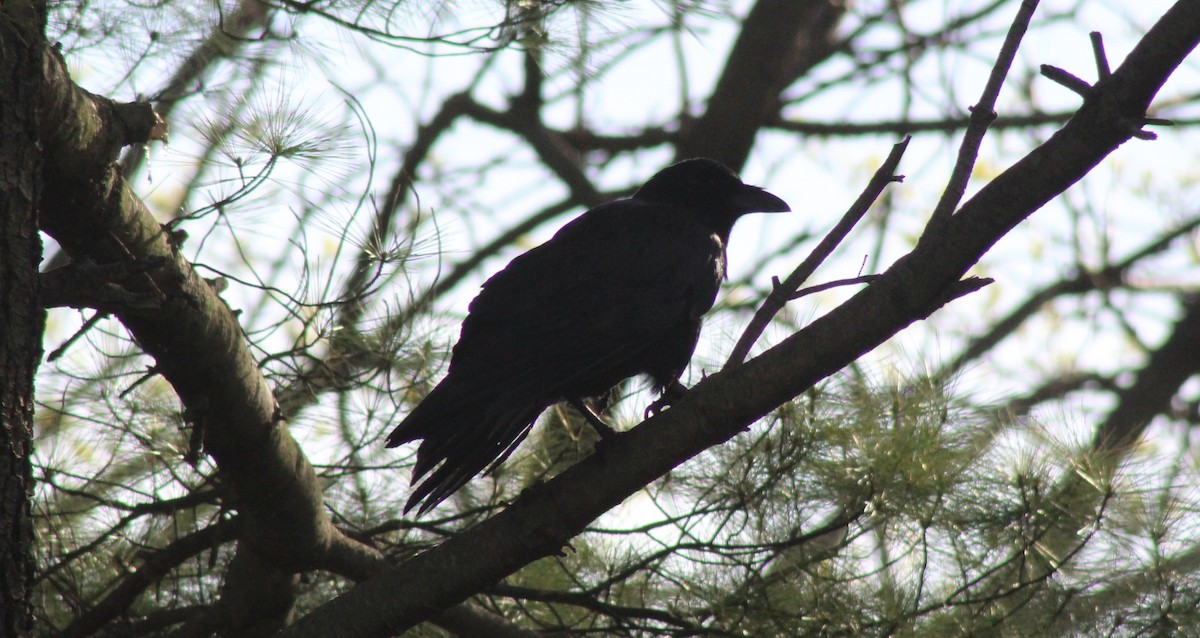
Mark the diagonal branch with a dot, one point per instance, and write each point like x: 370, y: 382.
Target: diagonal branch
x: 153, y: 567
x: 194, y: 338
x: 1172, y: 364
x: 982, y: 116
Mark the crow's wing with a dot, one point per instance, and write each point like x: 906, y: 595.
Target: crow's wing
x: 587, y: 304
x: 586, y: 309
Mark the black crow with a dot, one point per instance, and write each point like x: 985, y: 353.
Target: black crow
x: 617, y: 292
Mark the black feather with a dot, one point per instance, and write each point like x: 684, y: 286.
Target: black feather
x: 617, y: 292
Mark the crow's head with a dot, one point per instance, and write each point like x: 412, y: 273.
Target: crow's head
x: 710, y: 190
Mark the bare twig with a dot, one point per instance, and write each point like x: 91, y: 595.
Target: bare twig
x: 781, y: 292
x: 864, y: 279
x: 982, y: 116
x: 1081, y: 87
x: 1103, y: 70
x: 1077, y: 85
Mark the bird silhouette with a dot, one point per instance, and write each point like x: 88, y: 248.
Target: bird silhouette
x: 619, y: 291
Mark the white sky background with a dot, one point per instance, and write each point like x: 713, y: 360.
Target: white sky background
x: 818, y: 178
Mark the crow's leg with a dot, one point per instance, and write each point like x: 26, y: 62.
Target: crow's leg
x: 589, y: 414
x: 671, y: 393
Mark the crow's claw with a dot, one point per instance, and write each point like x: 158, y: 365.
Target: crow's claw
x: 657, y: 406
x: 673, y: 392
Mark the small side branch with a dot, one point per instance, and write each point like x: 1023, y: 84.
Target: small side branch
x: 1086, y: 91
x: 1103, y: 70
x: 1076, y: 85
x: 86, y: 284
x: 811, y: 290
x: 783, y: 291
x: 982, y: 116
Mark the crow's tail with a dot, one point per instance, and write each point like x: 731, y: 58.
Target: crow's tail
x: 463, y: 433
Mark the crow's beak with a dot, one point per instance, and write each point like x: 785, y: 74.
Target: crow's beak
x: 752, y: 199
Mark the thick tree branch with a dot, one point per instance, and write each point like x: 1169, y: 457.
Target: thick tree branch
x: 194, y: 338
x: 1169, y: 366
x: 779, y: 40
x: 200, y: 349
x: 547, y: 516
x: 22, y: 319
x: 154, y: 566
x: 83, y: 284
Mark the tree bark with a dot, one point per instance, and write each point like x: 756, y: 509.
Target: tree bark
x: 194, y: 338
x: 21, y: 318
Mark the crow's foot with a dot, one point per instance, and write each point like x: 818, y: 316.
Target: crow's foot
x: 672, y: 392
